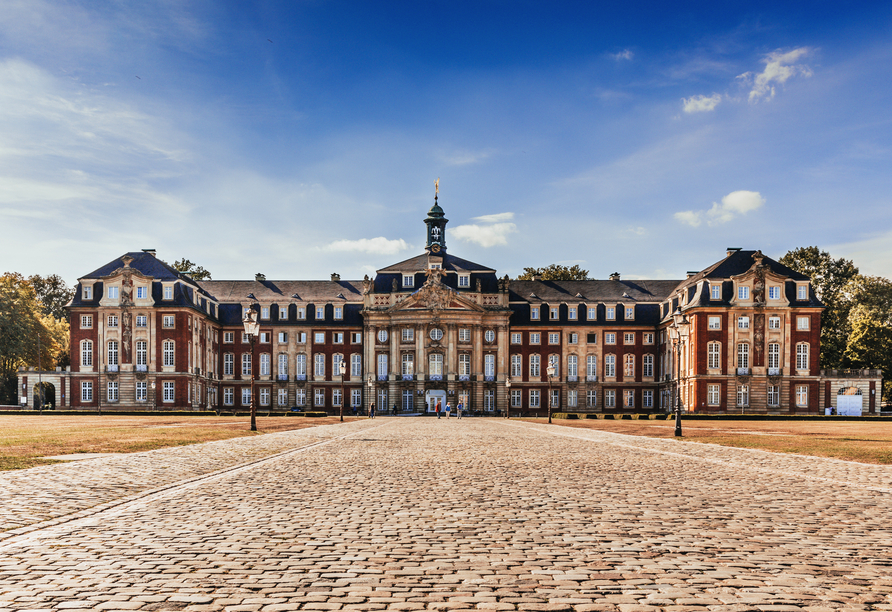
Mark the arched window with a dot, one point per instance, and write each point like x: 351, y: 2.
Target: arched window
x: 572, y: 365
x: 86, y: 352
x: 743, y: 357
x: 283, y: 365
x: 773, y: 355
x: 168, y: 352
x: 647, y: 365
x: 336, y: 365
x: 246, y: 364
x: 435, y: 363
x: 555, y: 360
x: 516, y: 365
x: 382, y: 365
x: 535, y: 371
x: 141, y: 352
x: 300, y: 365
x: 112, y: 352
x: 610, y: 365
x: 408, y: 364
x: 464, y: 364
x: 591, y: 367
x: 319, y: 364
x: 355, y: 364
x: 802, y: 356
x: 489, y: 365
x: 264, y: 364
x: 629, y: 366
x: 713, y: 355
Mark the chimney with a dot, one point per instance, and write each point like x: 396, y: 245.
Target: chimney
x: 614, y: 276
x: 732, y: 250
x: 150, y: 252
x: 335, y: 277
x: 692, y: 273
x: 260, y: 277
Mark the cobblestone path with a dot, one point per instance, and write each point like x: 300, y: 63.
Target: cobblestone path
x: 406, y: 514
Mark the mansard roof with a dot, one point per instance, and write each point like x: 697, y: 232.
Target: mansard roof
x: 591, y: 291
x: 283, y: 291
x: 738, y: 262
x: 450, y: 262
x: 145, y: 263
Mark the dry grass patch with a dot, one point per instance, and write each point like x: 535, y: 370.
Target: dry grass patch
x: 861, y: 441
x: 25, y: 440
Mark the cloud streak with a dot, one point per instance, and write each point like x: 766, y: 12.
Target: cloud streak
x: 733, y: 205
x: 779, y: 68
x: 372, y: 246
x: 701, y: 104
x: 489, y: 231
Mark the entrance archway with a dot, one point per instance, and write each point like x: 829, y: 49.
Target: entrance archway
x: 434, y: 396
x: 49, y: 396
x: 849, y: 401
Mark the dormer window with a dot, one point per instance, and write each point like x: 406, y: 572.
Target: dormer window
x: 88, y: 292
x: 464, y: 280
x: 408, y: 280
x: 142, y: 293
x: 168, y: 292
x: 534, y: 313
x: 774, y: 293
x: 112, y: 293
x: 630, y: 313
x: 743, y: 293
x: 611, y: 313
x: 553, y: 313
x: 715, y: 292
x: 802, y: 292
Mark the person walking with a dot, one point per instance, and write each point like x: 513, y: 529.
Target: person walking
x: 372, y: 410
x: 448, y: 409
x: 394, y: 410
x: 458, y: 409
x: 437, y: 410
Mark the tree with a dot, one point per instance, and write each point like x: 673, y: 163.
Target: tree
x: 555, y: 272
x: 870, y: 320
x: 53, y: 294
x: 832, y: 280
x: 194, y: 270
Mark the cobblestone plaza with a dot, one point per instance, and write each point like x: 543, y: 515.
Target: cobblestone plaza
x: 406, y: 514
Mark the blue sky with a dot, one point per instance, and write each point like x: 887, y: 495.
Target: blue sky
x: 299, y: 139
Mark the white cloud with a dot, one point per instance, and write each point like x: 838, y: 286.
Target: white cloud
x: 779, y: 68
x: 374, y: 246
x: 701, y: 104
x: 625, y: 54
x: 496, y: 218
x: 484, y: 235
x: 734, y: 204
x: 465, y: 158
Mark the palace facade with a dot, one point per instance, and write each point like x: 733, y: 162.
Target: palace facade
x: 437, y: 328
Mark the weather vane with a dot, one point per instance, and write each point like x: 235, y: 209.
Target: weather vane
x: 437, y: 186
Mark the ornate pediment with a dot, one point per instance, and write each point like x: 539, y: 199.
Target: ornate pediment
x: 434, y: 295
x: 759, y: 275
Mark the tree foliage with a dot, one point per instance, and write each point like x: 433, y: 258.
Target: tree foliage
x: 870, y: 320
x: 192, y: 269
x: 555, y: 272
x: 833, y: 281
x: 53, y: 294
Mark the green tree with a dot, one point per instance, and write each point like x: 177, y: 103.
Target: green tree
x: 53, y: 294
x: 555, y: 272
x: 833, y: 281
x: 870, y: 319
x: 194, y: 270
x: 21, y: 321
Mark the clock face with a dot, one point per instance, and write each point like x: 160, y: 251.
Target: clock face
x: 435, y: 248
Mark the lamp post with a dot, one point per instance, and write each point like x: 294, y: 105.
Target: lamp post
x: 342, y: 367
x: 680, y: 326
x: 154, y: 400
x: 507, y: 398
x: 550, y: 371
x: 252, y: 328
x: 370, y: 384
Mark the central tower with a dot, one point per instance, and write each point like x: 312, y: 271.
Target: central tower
x: 436, y: 226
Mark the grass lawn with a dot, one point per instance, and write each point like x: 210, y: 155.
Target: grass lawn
x: 24, y: 440
x: 861, y: 441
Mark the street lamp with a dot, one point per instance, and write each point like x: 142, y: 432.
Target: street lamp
x: 252, y: 329
x: 507, y: 398
x: 680, y: 326
x: 154, y: 400
x: 370, y: 384
x: 342, y: 367
x: 550, y: 371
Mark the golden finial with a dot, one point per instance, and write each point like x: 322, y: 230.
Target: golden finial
x: 437, y: 186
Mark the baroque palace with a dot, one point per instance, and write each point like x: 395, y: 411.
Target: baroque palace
x: 742, y: 335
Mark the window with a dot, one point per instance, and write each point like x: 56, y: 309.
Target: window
x: 489, y: 365
x: 743, y: 395
x: 773, y: 322
x: 555, y: 401
x: 774, y: 293
x: 168, y: 321
x: 283, y: 337
x: 515, y: 398
x: 534, y: 398
x: 338, y: 313
x: 436, y: 334
x: 572, y: 398
x: 300, y: 366
x: 713, y: 355
x: 712, y: 395
x: 629, y: 366
x: 534, y: 338
x: 112, y: 391
x: 113, y: 293
x: 319, y: 364
x: 167, y: 391
x: 282, y: 397
x: 464, y: 280
x: 573, y: 338
x: 86, y: 321
x: 283, y: 313
x: 571, y: 313
x: 382, y: 335
x: 142, y: 391
x: 319, y: 398
x: 743, y: 293
x: 802, y: 323
x: 647, y: 365
x: 246, y: 364
x: 86, y: 352
x: 320, y: 313
x: 629, y: 398
x: 382, y: 365
x: 715, y: 323
x: 228, y: 364
x: 336, y: 360
x: 407, y: 400
x: 610, y: 398
x: 489, y: 400
x: 591, y: 367
x: 355, y: 398
x: 630, y: 313
x: 610, y: 365
x: 802, y: 356
x: 801, y: 292
x: 408, y: 280
x: 264, y: 396
x: 464, y: 364
x: 743, y: 322
x: 264, y: 364
x: 228, y: 396
x: 489, y: 335
x: 553, y: 313
x: 648, y: 338
x: 591, y: 398
x: 86, y: 391
x: 142, y: 321
x: 264, y: 312
x: 534, y: 313
x: 435, y: 364
x: 774, y: 395
x: 141, y: 352
x: 168, y: 292
x: 592, y: 313
x: 408, y: 334
x: 264, y: 337
x: 112, y: 352
x: 228, y: 337
x: 319, y: 338
x: 554, y: 361
x: 629, y: 338
x: 356, y: 337
x: 743, y: 355
x: 554, y: 338
x: 355, y: 364
x: 773, y: 355
x: 572, y: 365
x: 112, y: 320
x: 88, y: 292
x: 515, y: 338
x: 516, y: 367
x: 337, y: 337
x: 715, y: 292
x: 301, y: 312
x: 535, y: 369
x: 300, y: 397
x: 408, y: 364
x: 647, y: 398
x: 611, y: 313
x: 168, y: 352
x: 609, y: 338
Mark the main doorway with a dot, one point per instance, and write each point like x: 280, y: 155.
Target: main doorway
x: 432, y: 398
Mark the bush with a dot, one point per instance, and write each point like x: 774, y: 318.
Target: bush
x: 308, y: 414
x: 564, y: 415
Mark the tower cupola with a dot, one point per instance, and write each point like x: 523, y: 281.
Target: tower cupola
x: 436, y: 225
